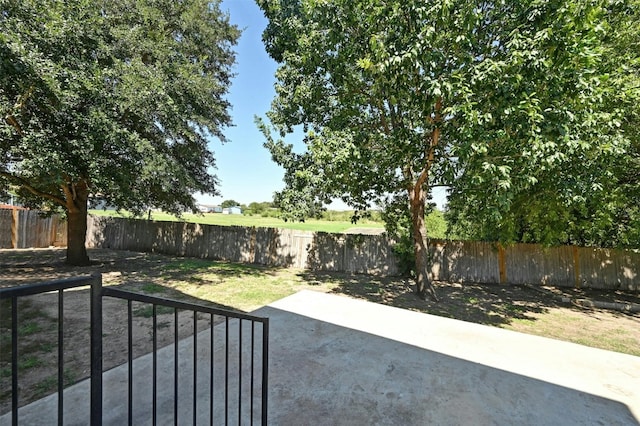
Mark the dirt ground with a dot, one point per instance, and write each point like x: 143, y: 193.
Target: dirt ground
x: 544, y: 311
x: 38, y: 324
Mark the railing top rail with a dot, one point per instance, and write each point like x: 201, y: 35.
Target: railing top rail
x: 128, y: 295
x: 45, y: 287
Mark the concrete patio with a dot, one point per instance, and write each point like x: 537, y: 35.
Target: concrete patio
x: 340, y: 361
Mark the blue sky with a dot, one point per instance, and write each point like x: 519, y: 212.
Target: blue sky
x: 244, y: 166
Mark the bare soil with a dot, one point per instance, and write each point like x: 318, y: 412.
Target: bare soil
x: 537, y: 310
x: 38, y: 319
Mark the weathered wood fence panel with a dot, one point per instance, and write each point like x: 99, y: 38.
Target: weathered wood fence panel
x: 370, y: 254
x: 20, y: 228
x: 266, y: 246
x: 533, y: 263
x: 6, y: 221
x: 463, y: 261
x: 609, y: 268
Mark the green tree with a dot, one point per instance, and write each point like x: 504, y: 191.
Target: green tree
x: 396, y: 97
x: 229, y: 203
x: 260, y: 208
x: 114, y: 100
x: 589, y: 196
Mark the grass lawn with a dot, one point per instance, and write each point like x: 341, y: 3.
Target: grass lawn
x: 231, y: 285
x: 258, y: 221
x: 248, y: 287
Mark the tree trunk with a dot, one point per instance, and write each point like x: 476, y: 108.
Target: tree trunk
x: 417, y: 198
x: 77, y: 226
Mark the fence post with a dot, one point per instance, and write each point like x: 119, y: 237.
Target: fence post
x: 576, y: 266
x: 14, y: 228
x: 96, y: 350
x: 253, y: 242
x: 502, y: 264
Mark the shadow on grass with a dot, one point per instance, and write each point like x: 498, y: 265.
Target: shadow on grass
x: 483, y: 304
x: 31, y: 266
x: 153, y: 273
x: 38, y: 334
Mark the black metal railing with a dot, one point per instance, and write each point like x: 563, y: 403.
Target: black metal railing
x: 256, y: 345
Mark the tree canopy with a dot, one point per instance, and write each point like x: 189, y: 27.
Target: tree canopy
x: 229, y: 203
x: 488, y: 97
x: 588, y: 196
x: 114, y: 100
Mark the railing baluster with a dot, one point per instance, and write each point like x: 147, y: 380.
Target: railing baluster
x: 226, y: 372
x: 253, y: 341
x: 14, y: 361
x: 60, y: 357
x: 265, y: 366
x: 175, y: 366
x: 96, y: 350
x: 130, y: 361
x: 195, y: 364
x: 211, y: 364
x: 240, y: 371
x: 155, y: 366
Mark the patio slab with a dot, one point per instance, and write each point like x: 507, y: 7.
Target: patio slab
x: 355, y: 362
x: 340, y: 361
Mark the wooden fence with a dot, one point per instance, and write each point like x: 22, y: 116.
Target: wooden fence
x: 265, y: 246
x: 461, y: 261
x: 21, y: 228
x: 562, y: 266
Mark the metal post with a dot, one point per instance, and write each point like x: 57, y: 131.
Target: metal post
x: 265, y: 368
x: 14, y: 361
x: 96, y: 350
x: 60, y: 357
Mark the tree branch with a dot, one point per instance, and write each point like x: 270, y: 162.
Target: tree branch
x: 433, y: 143
x: 23, y: 183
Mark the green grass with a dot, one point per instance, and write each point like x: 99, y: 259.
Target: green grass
x: 29, y: 328
x: 571, y: 326
x: 257, y: 221
x: 248, y: 287
x: 147, y: 311
x: 50, y: 383
x: 47, y: 347
x: 46, y: 386
x: 152, y: 288
x: 29, y: 362
x: 232, y: 285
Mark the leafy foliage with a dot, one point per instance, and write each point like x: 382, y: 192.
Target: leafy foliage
x: 587, y: 192
x: 229, y: 203
x: 491, y: 98
x: 113, y: 100
x: 264, y: 209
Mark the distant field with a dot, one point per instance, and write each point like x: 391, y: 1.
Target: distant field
x: 258, y: 221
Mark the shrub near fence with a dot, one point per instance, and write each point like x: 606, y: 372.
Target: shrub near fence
x: 462, y: 261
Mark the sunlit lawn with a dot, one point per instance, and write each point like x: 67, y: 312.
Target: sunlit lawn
x: 242, y: 287
x: 258, y: 221
x: 249, y: 287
